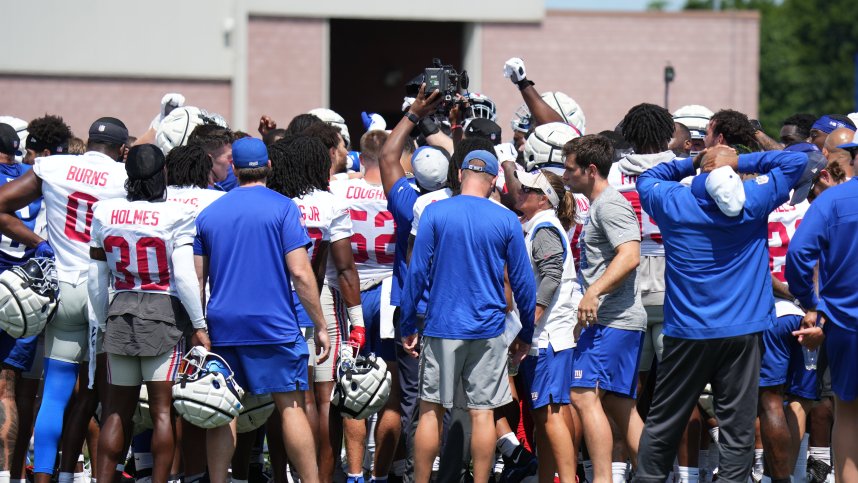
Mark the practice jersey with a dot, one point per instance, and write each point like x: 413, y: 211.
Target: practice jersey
x: 374, y: 234
x: 425, y: 200
x: 651, y: 244
x: 138, y: 238
x: 192, y: 196
x: 327, y: 219
x: 13, y: 253
x: 71, y: 185
x: 783, y: 223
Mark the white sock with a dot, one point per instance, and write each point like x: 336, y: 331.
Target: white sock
x: 618, y: 471
x: 588, y: 470
x: 5, y: 476
x: 688, y: 474
x: 79, y: 477
x: 758, y: 463
x: 507, y: 444
x: 820, y: 453
x: 713, y: 432
x: 143, y: 461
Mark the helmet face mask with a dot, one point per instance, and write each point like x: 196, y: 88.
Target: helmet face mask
x: 481, y: 107
x: 205, y: 392
x: 29, y: 296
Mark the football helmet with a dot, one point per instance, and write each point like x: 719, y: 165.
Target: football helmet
x: 693, y: 116
x: 521, y: 121
x: 362, y: 386
x: 256, y: 408
x: 142, y: 418
x: 333, y: 119
x: 177, y: 126
x: 568, y: 108
x: 544, y: 146
x: 481, y: 106
x: 28, y: 297
x: 205, y: 393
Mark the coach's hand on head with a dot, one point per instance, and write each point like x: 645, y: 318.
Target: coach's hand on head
x: 715, y: 157
x: 323, y: 345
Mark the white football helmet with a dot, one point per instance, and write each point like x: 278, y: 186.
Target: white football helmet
x: 362, y: 386
x: 333, y: 119
x: 28, y: 297
x: 20, y: 126
x: 521, y: 121
x: 205, y: 393
x: 256, y: 408
x: 142, y: 418
x: 177, y: 126
x: 481, y: 106
x: 693, y: 116
x: 544, y: 146
x: 568, y: 108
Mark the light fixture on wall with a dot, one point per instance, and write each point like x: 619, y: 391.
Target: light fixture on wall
x: 669, y: 75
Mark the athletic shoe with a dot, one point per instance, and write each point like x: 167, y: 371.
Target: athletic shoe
x: 817, y: 470
x: 518, y: 466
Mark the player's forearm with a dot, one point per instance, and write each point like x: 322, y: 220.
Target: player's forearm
x: 391, y: 152
x: 540, y: 110
x: 349, y: 286
x: 12, y: 227
x: 440, y: 140
x: 780, y: 289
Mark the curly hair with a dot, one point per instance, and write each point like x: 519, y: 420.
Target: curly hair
x: 188, y: 166
x: 48, y: 132
x: 301, y: 122
x: 648, y: 128
x: 802, y: 123
x: 299, y: 165
x: 735, y: 127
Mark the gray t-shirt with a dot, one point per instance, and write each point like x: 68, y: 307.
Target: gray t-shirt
x: 610, y: 223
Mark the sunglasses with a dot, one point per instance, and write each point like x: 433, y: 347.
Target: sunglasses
x: 528, y: 189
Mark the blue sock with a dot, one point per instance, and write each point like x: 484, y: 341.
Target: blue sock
x: 60, y: 378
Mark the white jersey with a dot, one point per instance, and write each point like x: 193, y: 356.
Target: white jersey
x: 194, y: 197
x: 651, y: 244
x: 374, y: 232
x: 425, y: 200
x: 783, y: 223
x: 327, y: 220
x: 138, y: 238
x: 71, y: 185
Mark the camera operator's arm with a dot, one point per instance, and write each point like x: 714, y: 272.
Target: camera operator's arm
x: 540, y: 110
x: 457, y: 120
x: 391, y: 169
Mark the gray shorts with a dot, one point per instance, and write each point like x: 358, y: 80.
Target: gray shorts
x: 67, y: 336
x: 337, y: 318
x: 653, y: 344
x: 479, y: 365
x: 651, y: 280
x: 308, y: 333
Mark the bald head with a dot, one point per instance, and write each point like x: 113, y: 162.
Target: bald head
x: 834, y: 154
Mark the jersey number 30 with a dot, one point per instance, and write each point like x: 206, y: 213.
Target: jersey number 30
x: 126, y: 280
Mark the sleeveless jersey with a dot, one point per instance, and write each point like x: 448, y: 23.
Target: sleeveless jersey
x: 194, y: 197
x: 783, y: 223
x: 138, y: 238
x: 13, y: 253
x: 374, y: 235
x: 71, y: 185
x: 651, y: 244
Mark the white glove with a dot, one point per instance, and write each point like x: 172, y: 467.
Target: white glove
x: 506, y: 152
x: 168, y: 103
x: 406, y: 103
x: 513, y: 70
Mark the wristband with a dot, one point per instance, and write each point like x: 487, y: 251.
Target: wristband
x: 356, y: 315
x: 199, y: 323
x: 524, y: 84
x: 456, y: 126
x: 412, y: 117
x: 428, y: 127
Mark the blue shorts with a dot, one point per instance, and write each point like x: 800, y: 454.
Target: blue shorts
x: 385, y: 348
x: 783, y: 360
x: 547, y: 377
x: 261, y: 369
x: 840, y: 346
x: 608, y: 358
x: 18, y: 353
x: 301, y: 314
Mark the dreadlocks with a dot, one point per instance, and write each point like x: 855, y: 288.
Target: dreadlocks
x: 188, y: 166
x: 299, y: 165
x: 648, y: 128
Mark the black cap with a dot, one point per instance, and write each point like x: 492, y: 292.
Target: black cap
x: 484, y: 128
x: 144, y: 161
x: 9, y: 140
x: 108, y: 130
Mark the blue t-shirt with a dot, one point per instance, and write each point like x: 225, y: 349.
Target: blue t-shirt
x: 460, y: 253
x: 400, y: 202
x: 13, y: 253
x: 246, y: 235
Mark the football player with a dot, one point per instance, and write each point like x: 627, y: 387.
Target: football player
x: 142, y: 246
x: 71, y: 185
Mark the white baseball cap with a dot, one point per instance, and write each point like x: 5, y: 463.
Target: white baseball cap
x: 726, y: 188
x: 430, y: 168
x: 538, y: 180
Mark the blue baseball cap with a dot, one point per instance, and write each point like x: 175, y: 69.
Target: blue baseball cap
x: 249, y: 153
x: 827, y: 124
x: 486, y: 157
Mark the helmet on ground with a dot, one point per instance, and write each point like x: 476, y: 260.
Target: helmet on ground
x: 177, y: 126
x: 362, y: 386
x: 255, y: 410
x: 28, y: 297
x: 481, y: 106
x: 333, y: 119
x: 205, y: 392
x: 568, y: 108
x: 544, y: 146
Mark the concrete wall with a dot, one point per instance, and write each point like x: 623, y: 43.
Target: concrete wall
x: 609, y: 62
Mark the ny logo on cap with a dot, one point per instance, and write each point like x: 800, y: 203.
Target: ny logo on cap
x: 101, y: 127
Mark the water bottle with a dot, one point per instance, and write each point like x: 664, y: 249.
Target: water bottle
x: 810, y: 357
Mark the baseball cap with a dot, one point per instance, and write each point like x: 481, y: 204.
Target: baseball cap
x: 538, y: 180
x: 725, y: 187
x: 144, y: 161
x: 9, y: 141
x: 815, y: 163
x: 827, y: 124
x: 430, y: 168
x: 486, y: 157
x: 483, y: 128
x: 108, y: 130
x: 249, y: 153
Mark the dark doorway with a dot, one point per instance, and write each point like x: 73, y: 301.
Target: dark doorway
x: 371, y: 60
